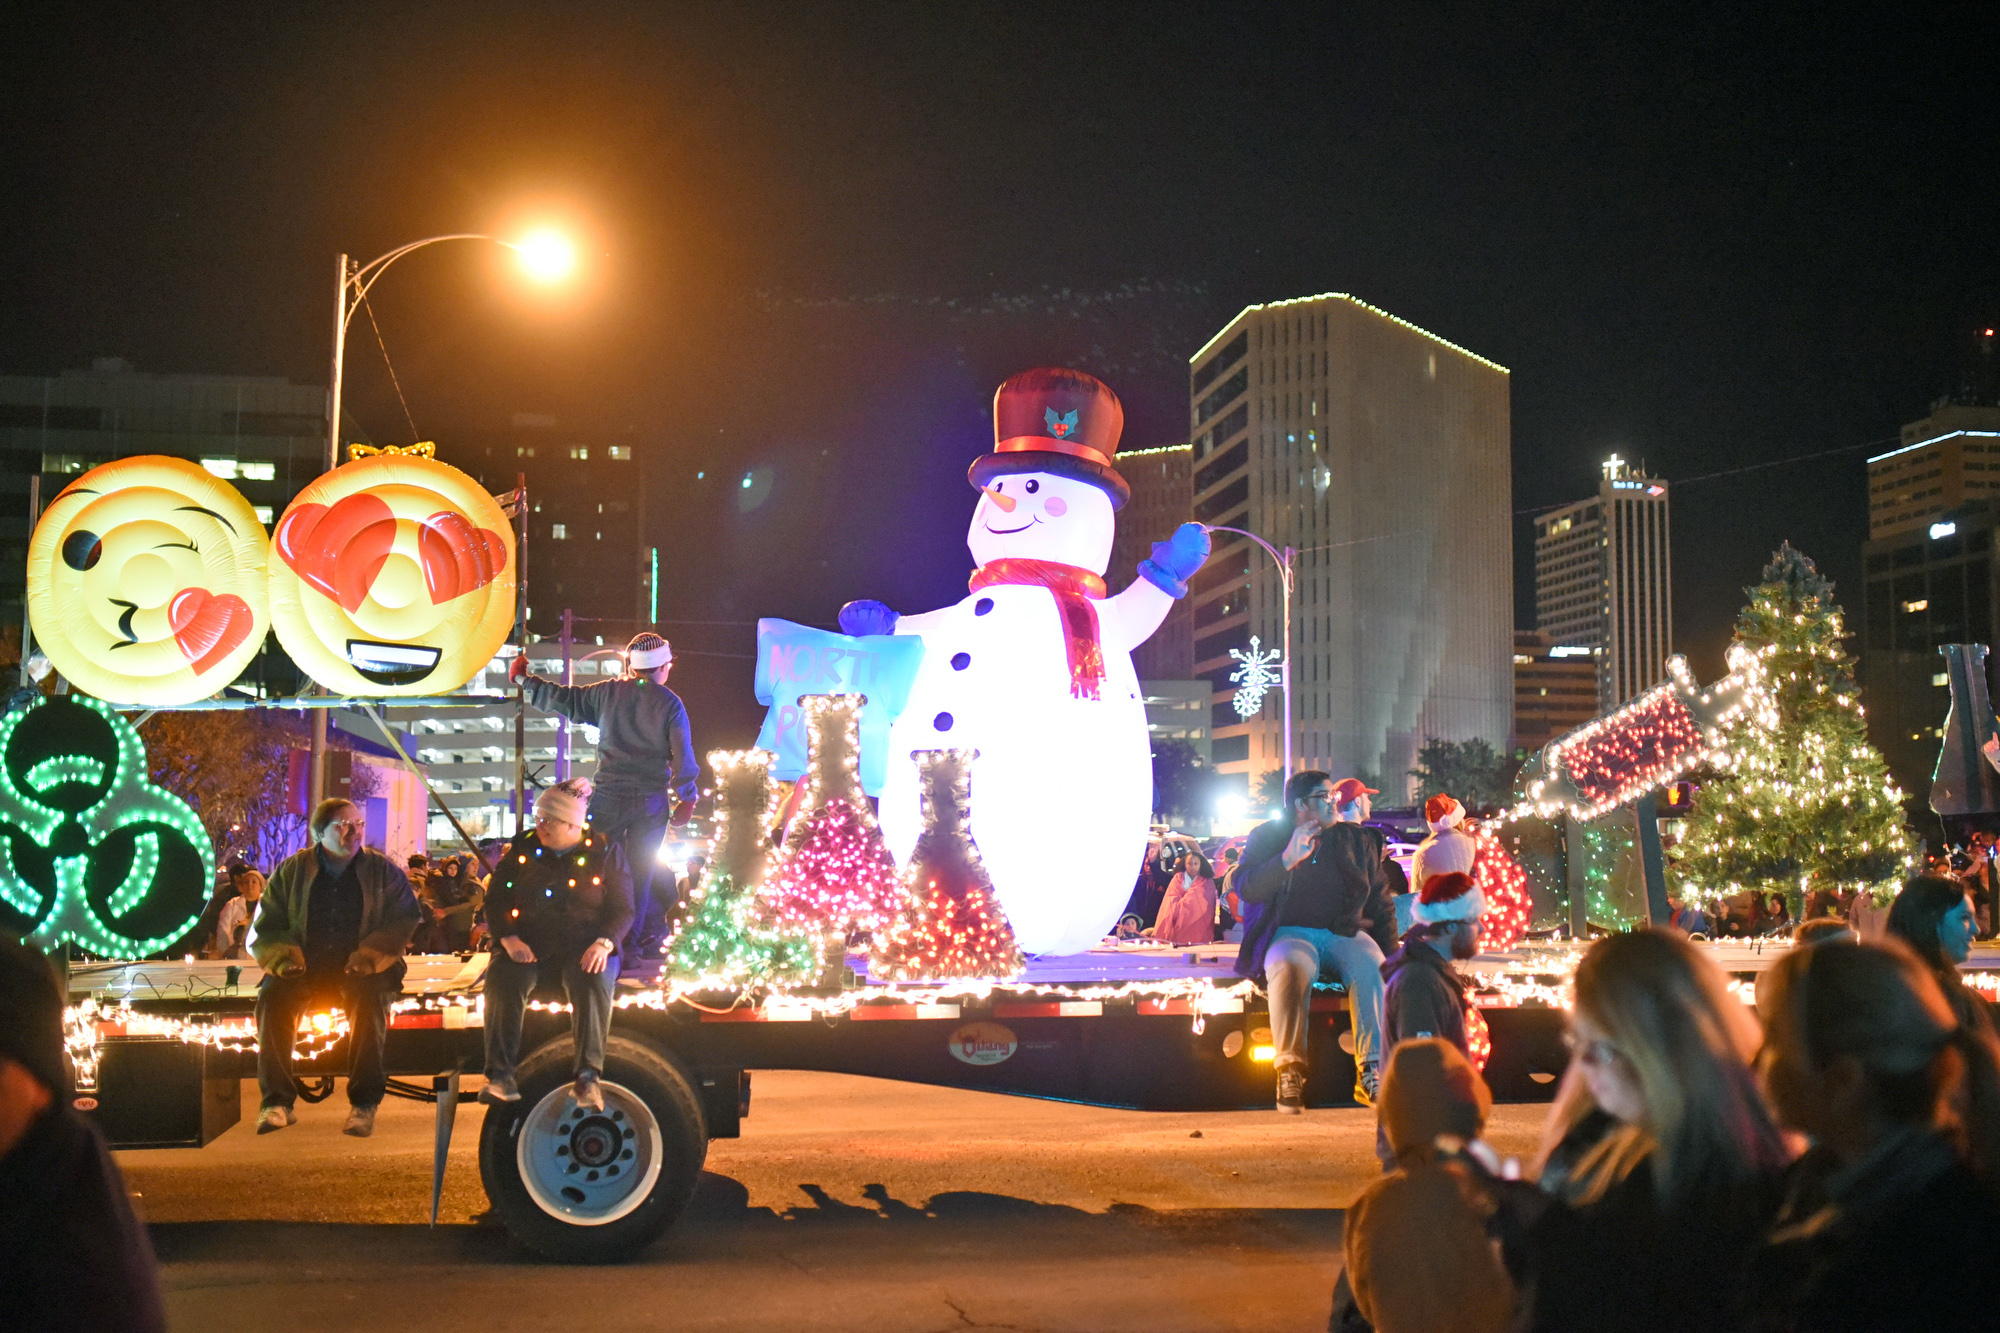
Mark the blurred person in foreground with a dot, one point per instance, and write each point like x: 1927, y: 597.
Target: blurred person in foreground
x: 1418, y: 1256
x: 1890, y: 1221
x: 72, y: 1255
x: 1317, y: 876
x: 336, y: 921
x: 1662, y: 1159
x: 1933, y: 916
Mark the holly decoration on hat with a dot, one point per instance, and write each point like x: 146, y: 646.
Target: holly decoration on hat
x: 91, y: 852
x: 952, y: 926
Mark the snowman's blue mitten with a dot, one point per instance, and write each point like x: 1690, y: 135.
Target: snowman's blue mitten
x: 1176, y: 559
x: 867, y: 617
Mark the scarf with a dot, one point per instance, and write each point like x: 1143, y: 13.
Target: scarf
x: 1072, y: 587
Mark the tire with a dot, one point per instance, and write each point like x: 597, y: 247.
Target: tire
x: 580, y: 1187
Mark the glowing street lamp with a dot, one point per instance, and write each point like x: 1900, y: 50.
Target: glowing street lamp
x: 546, y: 256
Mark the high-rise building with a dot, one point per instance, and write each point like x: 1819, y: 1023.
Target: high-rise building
x: 1555, y: 690
x: 587, y: 547
x: 1951, y: 456
x: 1162, y: 499
x: 1928, y: 578
x: 1604, y: 581
x: 1381, y: 453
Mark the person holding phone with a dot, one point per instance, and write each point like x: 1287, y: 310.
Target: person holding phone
x: 336, y: 921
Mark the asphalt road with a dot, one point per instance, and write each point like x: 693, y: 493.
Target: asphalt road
x: 848, y: 1203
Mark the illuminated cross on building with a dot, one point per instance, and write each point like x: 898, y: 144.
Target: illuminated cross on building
x: 1614, y: 468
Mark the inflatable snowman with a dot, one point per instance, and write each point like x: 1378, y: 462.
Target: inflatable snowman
x: 1034, y: 669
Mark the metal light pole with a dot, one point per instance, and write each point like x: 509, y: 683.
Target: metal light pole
x: 1285, y: 561
x: 350, y: 287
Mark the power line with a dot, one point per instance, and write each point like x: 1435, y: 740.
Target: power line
x: 390, y: 364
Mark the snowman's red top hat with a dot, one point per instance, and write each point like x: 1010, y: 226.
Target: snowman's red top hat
x: 1059, y: 421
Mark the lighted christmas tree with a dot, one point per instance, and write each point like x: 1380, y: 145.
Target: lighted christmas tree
x: 1807, y: 803
x: 835, y: 875
x: 728, y: 936
x: 951, y: 925
x: 1509, y: 903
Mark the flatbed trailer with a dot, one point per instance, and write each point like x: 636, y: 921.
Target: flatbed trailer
x: 162, y: 1047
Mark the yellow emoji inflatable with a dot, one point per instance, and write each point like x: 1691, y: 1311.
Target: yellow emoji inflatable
x: 147, y: 582
x: 393, y: 575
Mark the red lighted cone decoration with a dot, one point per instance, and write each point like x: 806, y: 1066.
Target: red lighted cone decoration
x: 1509, y: 905
x: 952, y: 925
x: 1478, y: 1038
x: 834, y: 874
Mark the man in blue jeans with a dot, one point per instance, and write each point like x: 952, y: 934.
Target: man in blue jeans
x: 645, y: 764
x: 1323, y: 897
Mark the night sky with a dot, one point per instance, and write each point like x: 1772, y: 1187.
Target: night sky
x: 1705, y: 236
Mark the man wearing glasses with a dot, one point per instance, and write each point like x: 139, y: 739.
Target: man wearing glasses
x: 1323, y: 896
x: 333, y: 926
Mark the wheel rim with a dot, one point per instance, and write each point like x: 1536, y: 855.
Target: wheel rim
x: 590, y: 1167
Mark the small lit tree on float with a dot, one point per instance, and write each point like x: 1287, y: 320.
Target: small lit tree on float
x: 952, y: 925
x: 1509, y: 905
x: 1806, y: 803
x: 728, y: 937
x: 834, y: 876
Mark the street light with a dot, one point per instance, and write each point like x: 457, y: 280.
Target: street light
x: 1285, y: 657
x: 546, y: 256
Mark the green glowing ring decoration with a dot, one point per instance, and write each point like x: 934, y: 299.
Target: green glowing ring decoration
x: 91, y: 852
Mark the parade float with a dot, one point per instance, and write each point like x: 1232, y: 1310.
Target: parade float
x: 913, y: 873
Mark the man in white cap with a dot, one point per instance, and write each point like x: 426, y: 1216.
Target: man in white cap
x: 646, y: 767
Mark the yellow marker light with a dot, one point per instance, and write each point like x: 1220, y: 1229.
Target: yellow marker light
x: 546, y: 255
x: 1263, y: 1054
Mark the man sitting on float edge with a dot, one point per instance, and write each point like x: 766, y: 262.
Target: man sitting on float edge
x: 1325, y: 907
x: 561, y: 900
x: 335, y: 922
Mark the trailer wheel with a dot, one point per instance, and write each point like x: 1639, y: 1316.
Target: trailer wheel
x: 593, y: 1187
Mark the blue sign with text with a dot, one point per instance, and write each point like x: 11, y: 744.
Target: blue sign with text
x: 797, y: 660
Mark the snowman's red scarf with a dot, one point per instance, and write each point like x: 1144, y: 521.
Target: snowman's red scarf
x: 1072, y: 587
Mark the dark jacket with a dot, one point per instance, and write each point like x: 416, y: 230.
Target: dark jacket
x: 389, y: 912
x: 643, y: 743
x: 1904, y: 1239
x: 559, y: 902
x: 1346, y: 865
x: 74, y: 1255
x: 1627, y: 1262
x: 1424, y: 997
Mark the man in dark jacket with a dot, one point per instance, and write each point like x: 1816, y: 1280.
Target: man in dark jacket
x: 645, y: 763
x: 72, y: 1255
x: 560, y: 901
x: 1324, y: 897
x: 1422, y: 996
x: 333, y: 927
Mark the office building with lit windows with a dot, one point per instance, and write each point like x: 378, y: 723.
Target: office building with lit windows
x: 1555, y: 690
x: 1380, y: 453
x: 1928, y: 579
x: 1604, y: 581
x: 1177, y: 705
x: 267, y: 436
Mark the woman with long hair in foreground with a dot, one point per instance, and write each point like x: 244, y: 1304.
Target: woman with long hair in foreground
x: 1890, y: 1221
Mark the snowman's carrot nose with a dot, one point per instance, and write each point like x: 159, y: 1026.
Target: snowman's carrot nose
x: 1006, y: 502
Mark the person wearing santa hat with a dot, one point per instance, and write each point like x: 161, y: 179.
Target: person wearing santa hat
x: 1422, y: 995
x: 646, y: 768
x: 1449, y: 847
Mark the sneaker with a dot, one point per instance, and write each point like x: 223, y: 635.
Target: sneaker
x: 274, y: 1118
x: 1291, y: 1090
x: 360, y: 1122
x: 1366, y: 1083
x: 501, y: 1090
x: 588, y: 1092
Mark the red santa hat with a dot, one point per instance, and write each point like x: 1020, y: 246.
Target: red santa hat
x: 1442, y: 812
x: 1451, y: 896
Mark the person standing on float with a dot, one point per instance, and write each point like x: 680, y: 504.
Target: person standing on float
x: 646, y: 769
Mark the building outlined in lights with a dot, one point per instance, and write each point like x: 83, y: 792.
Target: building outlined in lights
x: 1928, y: 578
x: 1382, y: 453
x: 1604, y: 581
